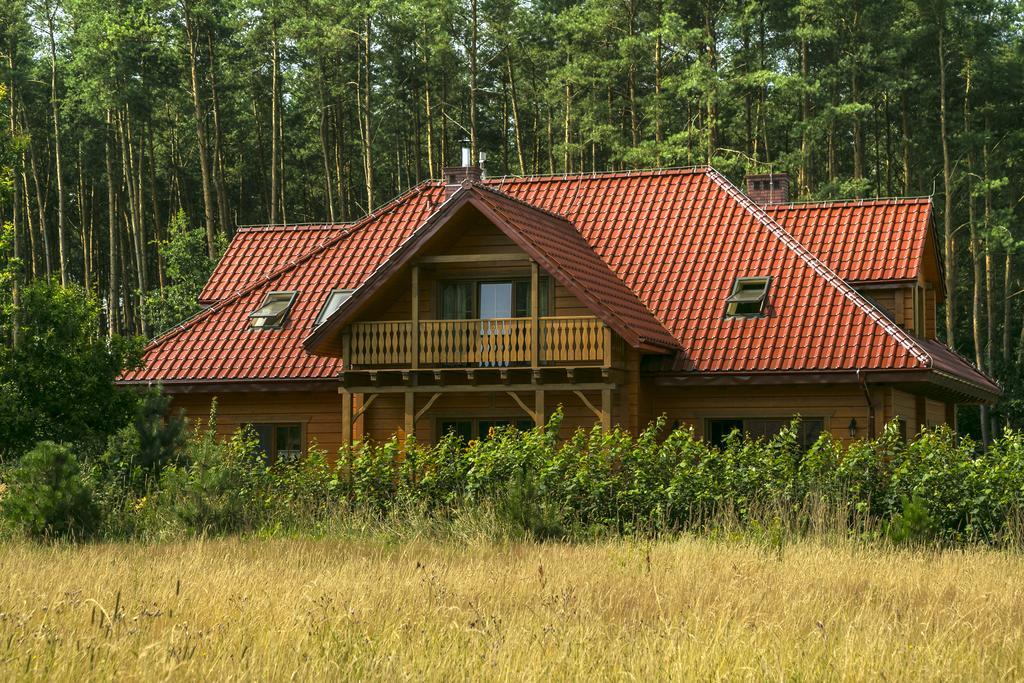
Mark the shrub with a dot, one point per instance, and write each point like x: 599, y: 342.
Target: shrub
x: 47, y: 497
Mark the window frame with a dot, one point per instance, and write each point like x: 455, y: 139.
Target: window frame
x: 475, y: 423
x: 732, y: 304
x: 321, y: 318
x: 475, y: 283
x: 281, y: 318
x: 743, y: 420
x: 271, y: 455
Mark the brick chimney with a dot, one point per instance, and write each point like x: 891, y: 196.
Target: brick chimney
x: 454, y: 176
x: 768, y: 188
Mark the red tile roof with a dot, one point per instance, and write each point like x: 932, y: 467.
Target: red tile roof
x: 258, y: 251
x: 862, y: 240
x: 678, y: 239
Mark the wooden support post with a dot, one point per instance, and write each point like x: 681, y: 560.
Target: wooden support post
x: 410, y: 414
x: 346, y: 349
x: 606, y: 410
x: 415, y: 340
x: 534, y: 314
x: 346, y: 417
x: 540, y: 417
x: 607, y: 346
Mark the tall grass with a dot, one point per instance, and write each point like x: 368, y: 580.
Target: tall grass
x: 382, y: 600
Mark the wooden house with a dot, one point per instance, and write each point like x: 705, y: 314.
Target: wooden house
x: 470, y: 303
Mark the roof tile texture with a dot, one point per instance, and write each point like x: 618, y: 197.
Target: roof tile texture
x: 677, y: 239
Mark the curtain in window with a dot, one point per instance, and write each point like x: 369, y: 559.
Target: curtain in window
x: 456, y: 300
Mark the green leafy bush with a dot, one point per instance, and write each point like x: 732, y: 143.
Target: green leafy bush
x: 47, y: 497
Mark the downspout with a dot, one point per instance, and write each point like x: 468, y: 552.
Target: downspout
x: 871, y: 405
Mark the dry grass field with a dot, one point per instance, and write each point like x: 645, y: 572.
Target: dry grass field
x: 301, y: 609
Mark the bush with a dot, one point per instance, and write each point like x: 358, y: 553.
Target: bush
x: 47, y: 497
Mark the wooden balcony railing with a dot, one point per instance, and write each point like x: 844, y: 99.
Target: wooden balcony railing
x: 494, y: 342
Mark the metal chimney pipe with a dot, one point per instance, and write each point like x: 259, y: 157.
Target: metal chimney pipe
x: 466, y: 158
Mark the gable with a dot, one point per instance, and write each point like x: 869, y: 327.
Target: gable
x: 545, y: 237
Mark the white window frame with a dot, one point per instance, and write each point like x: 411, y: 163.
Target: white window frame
x: 323, y: 314
x: 279, y: 318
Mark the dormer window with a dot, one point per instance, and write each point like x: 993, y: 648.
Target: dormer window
x: 748, y: 297
x: 273, y: 311
x: 334, y: 301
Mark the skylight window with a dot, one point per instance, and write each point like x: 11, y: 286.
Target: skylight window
x: 748, y: 297
x: 334, y: 301
x: 273, y: 311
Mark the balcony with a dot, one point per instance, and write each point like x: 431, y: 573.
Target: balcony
x: 479, y: 343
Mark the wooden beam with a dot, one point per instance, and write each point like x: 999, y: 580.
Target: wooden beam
x: 367, y: 402
x: 534, y: 314
x: 346, y: 418
x: 501, y: 256
x: 424, y: 409
x: 606, y: 410
x: 587, y: 403
x: 540, y: 417
x: 410, y: 414
x: 522, y: 405
x: 415, y: 341
x: 479, y: 388
x: 607, y: 346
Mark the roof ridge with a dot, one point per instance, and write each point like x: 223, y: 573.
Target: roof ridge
x: 905, y: 339
x: 626, y: 173
x: 282, y: 269
x: 861, y: 201
x: 292, y: 227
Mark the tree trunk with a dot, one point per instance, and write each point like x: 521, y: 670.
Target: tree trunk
x: 112, y: 289
x: 515, y: 114
x: 219, y: 178
x: 275, y: 115
x: 949, y: 237
x: 15, y: 214
x: 41, y: 207
x: 473, y: 35
x: 367, y: 133
x: 191, y: 35
x: 62, y: 248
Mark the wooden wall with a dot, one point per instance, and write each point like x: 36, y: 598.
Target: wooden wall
x: 319, y: 413
x: 476, y: 237
x: 386, y: 416
x: 634, y: 406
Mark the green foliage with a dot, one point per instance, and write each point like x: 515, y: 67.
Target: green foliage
x: 58, y: 384
x: 187, y: 265
x: 47, y: 496
x: 935, y: 489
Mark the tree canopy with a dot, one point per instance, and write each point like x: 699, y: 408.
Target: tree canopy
x: 134, y: 119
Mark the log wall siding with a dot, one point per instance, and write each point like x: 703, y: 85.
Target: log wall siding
x: 319, y: 412
x: 386, y: 416
x: 900, y: 302
x: 634, y: 406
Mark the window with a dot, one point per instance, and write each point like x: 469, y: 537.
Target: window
x: 748, y: 297
x: 279, y: 442
x: 492, y: 299
x: 808, y: 430
x: 273, y: 311
x: 471, y: 428
x: 334, y: 301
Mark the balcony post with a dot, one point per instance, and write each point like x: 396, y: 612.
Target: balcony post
x: 410, y: 414
x: 539, y: 416
x: 414, y: 351
x: 346, y: 417
x: 534, y: 315
x: 606, y: 410
x: 607, y: 331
